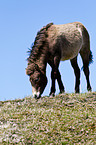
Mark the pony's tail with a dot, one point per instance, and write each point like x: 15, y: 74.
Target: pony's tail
x: 90, y: 57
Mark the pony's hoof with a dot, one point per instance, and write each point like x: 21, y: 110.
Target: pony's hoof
x: 52, y: 95
x: 37, y: 97
x: 62, y: 92
x: 89, y: 89
x: 77, y: 91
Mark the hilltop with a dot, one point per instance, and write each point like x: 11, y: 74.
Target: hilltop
x: 63, y: 119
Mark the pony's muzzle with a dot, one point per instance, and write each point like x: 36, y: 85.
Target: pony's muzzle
x: 37, y: 96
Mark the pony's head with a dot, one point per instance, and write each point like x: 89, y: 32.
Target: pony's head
x: 37, y: 72
x: 38, y: 80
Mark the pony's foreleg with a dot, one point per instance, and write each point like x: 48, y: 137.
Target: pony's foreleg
x: 52, y: 92
x: 60, y: 83
x: 77, y: 73
x: 55, y: 74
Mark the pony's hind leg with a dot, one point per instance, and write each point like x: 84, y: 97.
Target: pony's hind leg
x: 77, y: 74
x: 86, y: 59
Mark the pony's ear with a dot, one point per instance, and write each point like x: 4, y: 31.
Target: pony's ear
x: 29, y: 71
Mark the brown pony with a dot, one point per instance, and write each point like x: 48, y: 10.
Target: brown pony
x: 55, y: 43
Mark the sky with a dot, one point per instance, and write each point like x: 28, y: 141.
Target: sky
x: 20, y: 20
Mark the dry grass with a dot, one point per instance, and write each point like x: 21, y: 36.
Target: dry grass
x: 61, y: 120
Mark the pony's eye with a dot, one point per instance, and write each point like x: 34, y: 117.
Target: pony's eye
x: 37, y: 79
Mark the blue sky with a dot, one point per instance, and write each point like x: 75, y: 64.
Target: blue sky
x: 19, y: 22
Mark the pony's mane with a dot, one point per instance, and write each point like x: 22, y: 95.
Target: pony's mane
x: 38, y: 43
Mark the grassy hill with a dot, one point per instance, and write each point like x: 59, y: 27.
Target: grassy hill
x: 61, y: 120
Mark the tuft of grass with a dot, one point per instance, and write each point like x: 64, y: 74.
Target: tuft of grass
x: 63, y: 119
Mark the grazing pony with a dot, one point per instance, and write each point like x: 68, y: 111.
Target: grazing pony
x: 55, y: 43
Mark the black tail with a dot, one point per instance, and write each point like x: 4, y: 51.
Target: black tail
x: 90, y: 58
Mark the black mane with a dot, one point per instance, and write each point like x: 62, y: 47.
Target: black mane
x: 38, y: 43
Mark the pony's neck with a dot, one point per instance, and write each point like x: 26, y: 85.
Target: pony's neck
x: 41, y: 61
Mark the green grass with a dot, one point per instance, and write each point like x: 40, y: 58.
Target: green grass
x: 60, y: 120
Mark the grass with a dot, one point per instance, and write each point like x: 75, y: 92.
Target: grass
x: 60, y: 120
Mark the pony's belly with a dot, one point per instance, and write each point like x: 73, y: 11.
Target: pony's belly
x: 69, y: 53
x: 67, y: 57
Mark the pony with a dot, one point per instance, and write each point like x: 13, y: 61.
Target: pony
x: 55, y: 43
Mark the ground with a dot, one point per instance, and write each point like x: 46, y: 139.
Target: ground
x: 63, y: 119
